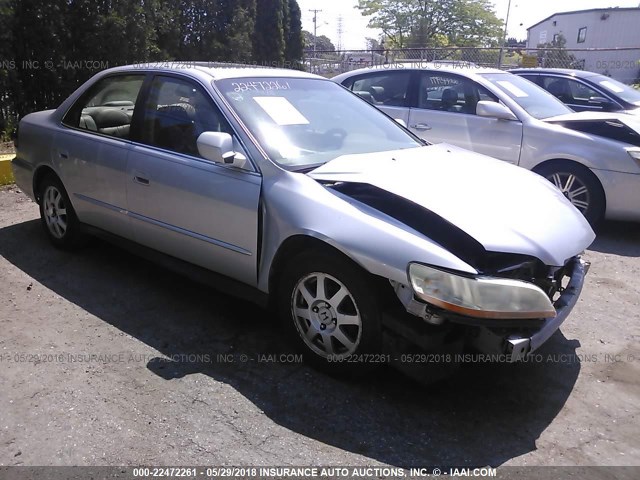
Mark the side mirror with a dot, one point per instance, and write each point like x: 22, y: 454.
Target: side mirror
x: 489, y: 109
x: 401, y: 122
x: 601, y: 102
x: 216, y: 146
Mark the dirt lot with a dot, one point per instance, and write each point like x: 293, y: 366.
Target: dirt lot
x: 83, y: 381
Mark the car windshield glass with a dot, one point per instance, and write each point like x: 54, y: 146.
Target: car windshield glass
x: 302, y: 122
x: 625, y: 92
x: 537, y: 102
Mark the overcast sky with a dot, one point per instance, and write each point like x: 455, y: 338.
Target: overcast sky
x: 524, y: 13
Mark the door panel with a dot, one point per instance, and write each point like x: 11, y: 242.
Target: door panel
x: 181, y: 204
x: 197, y: 211
x: 446, y: 113
x: 92, y: 152
x: 94, y: 175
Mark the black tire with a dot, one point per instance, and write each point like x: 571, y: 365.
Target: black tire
x: 591, y: 200
x: 338, y: 317
x: 57, y: 216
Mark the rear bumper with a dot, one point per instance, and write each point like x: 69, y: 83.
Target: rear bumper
x: 623, y: 194
x: 23, y: 175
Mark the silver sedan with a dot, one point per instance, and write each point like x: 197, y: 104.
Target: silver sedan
x: 284, y: 188
x: 593, y: 158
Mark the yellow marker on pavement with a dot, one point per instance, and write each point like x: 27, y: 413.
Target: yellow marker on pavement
x: 6, y: 174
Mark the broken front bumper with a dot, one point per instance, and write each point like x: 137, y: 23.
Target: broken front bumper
x: 517, y: 346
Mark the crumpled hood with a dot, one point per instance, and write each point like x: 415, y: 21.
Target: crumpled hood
x: 505, y: 208
x: 628, y: 117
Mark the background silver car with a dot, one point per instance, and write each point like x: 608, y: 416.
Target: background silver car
x: 593, y: 158
x: 298, y: 194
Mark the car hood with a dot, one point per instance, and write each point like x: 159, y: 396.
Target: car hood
x: 631, y: 120
x: 505, y: 208
x: 609, y: 125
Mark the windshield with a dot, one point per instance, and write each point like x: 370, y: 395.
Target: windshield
x: 534, y: 100
x: 302, y: 122
x: 619, y: 89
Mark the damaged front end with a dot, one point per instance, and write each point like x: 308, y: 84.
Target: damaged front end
x: 511, y: 306
x: 532, y: 304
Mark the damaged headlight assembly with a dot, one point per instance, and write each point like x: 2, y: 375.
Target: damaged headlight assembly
x: 478, y: 296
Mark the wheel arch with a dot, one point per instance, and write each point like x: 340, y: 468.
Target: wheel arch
x: 39, y: 175
x: 563, y: 161
x: 295, y: 245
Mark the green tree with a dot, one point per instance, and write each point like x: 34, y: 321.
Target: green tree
x: 322, y: 42
x: 555, y: 55
x: 37, y: 39
x: 434, y: 23
x: 293, y: 35
x: 49, y: 47
x: 238, y: 36
x: 7, y: 67
x: 268, y: 38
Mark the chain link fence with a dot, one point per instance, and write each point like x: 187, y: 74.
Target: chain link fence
x: 620, y: 63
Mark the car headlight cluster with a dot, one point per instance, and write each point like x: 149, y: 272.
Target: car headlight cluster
x: 480, y: 297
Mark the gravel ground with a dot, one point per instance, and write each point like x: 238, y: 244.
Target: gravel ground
x: 128, y: 405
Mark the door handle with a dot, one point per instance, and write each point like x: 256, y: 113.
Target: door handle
x: 141, y: 180
x: 63, y: 155
x: 421, y: 126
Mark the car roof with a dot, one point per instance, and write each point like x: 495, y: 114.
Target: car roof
x: 214, y: 70
x: 465, y: 68
x: 559, y: 71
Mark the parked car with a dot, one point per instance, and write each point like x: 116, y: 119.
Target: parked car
x: 593, y: 158
x: 286, y: 189
x: 584, y: 91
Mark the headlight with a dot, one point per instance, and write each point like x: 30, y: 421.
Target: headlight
x: 481, y: 297
x: 635, y: 154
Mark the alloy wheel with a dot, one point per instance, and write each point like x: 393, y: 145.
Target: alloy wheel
x: 55, y: 212
x: 326, y: 315
x: 573, y: 188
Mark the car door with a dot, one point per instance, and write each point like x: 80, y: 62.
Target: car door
x: 182, y: 204
x: 445, y: 111
x: 92, y: 148
x: 387, y: 90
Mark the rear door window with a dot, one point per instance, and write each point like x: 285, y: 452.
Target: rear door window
x: 107, y: 108
x: 383, y: 88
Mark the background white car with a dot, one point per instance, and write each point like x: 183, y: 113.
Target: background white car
x: 593, y: 158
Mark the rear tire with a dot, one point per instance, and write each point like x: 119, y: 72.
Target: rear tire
x: 581, y: 187
x: 58, y: 218
x: 329, y: 312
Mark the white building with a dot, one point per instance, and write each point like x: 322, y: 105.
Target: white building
x: 608, y: 28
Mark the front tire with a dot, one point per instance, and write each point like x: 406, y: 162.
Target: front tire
x: 330, y: 313
x: 581, y: 187
x: 58, y: 218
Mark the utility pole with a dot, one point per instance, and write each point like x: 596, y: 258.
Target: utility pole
x: 504, y: 35
x: 315, y: 27
x: 506, y: 23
